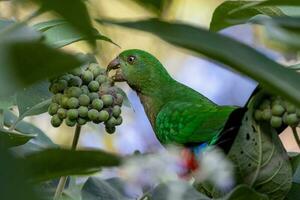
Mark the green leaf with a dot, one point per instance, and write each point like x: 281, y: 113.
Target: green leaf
x: 97, y: 189
x: 222, y: 49
x: 34, y: 100
x: 53, y: 163
x: 294, y: 193
x: 259, y: 156
x: 59, y: 33
x: 176, y: 190
x: 73, y: 11
x: 25, y: 63
x: 244, y: 192
x: 7, y: 101
x: 223, y: 18
x: 10, y: 138
x: 44, y: 26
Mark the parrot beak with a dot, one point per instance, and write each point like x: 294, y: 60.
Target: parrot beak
x: 115, y: 64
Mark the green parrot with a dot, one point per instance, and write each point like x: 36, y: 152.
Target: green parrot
x: 178, y: 114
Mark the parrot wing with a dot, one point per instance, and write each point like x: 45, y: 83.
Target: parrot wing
x: 189, y: 122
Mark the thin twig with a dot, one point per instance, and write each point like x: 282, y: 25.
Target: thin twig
x: 296, y: 136
x: 63, y: 180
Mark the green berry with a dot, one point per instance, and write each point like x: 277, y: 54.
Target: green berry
x: 276, y: 122
x: 75, y: 81
x: 116, y: 111
x: 95, y: 69
x: 57, y: 98
x: 101, y: 79
x: 77, y: 71
x: 66, y: 77
x: 277, y: 110
x: 84, y: 100
x: 56, y: 121
x: 72, y: 114
x: 111, y: 122
x: 266, y: 114
x: 54, y: 88
x: 73, y: 92
x: 53, y: 107
x: 85, y: 89
x: 103, y: 115
x: 62, y: 84
x: 97, y: 104
x: 107, y: 100
x: 119, y: 99
x: 93, y: 95
x: 290, y: 108
x: 93, y: 114
x: 119, y: 121
x: 258, y: 115
x: 292, y: 119
x: 70, y: 122
x: 110, y: 130
x: 265, y: 104
x: 83, y: 111
x: 64, y: 101
x: 73, y: 102
x: 81, y: 121
x: 94, y: 86
x: 62, y: 113
x: 87, y: 76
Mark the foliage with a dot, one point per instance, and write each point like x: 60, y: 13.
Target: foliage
x: 30, y: 55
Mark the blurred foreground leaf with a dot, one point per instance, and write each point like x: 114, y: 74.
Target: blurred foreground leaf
x: 53, y: 163
x: 10, y: 138
x: 237, y: 55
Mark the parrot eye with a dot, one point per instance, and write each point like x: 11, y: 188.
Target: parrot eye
x: 131, y: 59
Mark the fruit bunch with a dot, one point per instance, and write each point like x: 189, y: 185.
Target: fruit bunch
x: 85, y: 95
x: 278, y: 112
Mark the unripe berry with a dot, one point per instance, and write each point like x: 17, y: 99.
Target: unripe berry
x: 75, y: 81
x: 81, y: 121
x: 87, y: 76
x: 258, y: 115
x: 53, y: 107
x: 57, y: 98
x: 276, y: 122
x: 265, y: 104
x: 290, y: 108
x: 101, y: 79
x: 93, y: 114
x: 62, y: 84
x: 116, y: 111
x: 103, y: 115
x: 277, y: 110
x: 95, y: 69
x: 62, y: 113
x: 97, y: 104
x: 85, y: 89
x: 119, y: 99
x: 93, y: 95
x: 72, y: 114
x: 84, y: 100
x: 73, y: 92
x: 94, y: 86
x: 107, y: 100
x: 292, y: 119
x: 110, y: 130
x: 77, y: 72
x: 64, y: 101
x: 119, y: 121
x: 111, y: 122
x: 266, y: 114
x: 56, y: 121
x: 83, y: 111
x: 73, y: 102
x: 70, y: 122
x: 54, y: 88
x: 66, y: 77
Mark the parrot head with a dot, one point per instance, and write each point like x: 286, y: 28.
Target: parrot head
x: 138, y: 68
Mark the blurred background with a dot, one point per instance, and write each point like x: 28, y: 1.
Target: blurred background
x: 217, y: 82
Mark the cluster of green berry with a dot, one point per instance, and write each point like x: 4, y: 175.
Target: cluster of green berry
x: 278, y: 112
x: 84, y: 95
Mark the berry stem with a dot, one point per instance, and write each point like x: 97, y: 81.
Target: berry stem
x: 296, y: 136
x: 63, y: 180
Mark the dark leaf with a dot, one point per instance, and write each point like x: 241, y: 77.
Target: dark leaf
x: 155, y: 6
x: 10, y: 138
x: 73, y: 11
x: 239, y: 56
x: 54, y: 163
x: 244, y: 192
x: 294, y: 193
x: 223, y: 18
